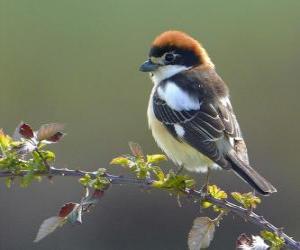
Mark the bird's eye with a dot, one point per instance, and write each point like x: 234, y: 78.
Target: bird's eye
x: 169, y: 57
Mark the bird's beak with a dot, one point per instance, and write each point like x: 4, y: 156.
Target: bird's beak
x: 149, y: 66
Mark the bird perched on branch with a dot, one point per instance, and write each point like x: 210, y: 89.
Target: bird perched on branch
x: 190, y: 113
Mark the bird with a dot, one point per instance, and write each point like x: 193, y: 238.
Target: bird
x: 190, y: 113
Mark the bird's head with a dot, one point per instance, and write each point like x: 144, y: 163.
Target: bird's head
x: 175, y: 51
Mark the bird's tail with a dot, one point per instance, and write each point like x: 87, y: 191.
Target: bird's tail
x: 248, y: 174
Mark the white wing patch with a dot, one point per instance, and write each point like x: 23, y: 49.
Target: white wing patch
x: 176, y: 98
x: 179, y: 130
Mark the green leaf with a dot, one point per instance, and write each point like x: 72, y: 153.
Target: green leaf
x: 123, y: 161
x: 5, y: 141
x: 101, y: 171
x: 216, y: 192
x: 159, y: 174
x: 173, y: 182
x: 237, y: 196
x: 85, y: 180
x: 47, y: 155
x: 100, y: 183
x: 37, y: 163
x: 156, y: 158
x: 141, y: 169
x: 276, y: 241
x: 248, y: 200
x: 206, y: 204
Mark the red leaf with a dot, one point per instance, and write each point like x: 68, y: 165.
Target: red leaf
x: 56, y: 137
x: 26, y: 131
x: 136, y: 149
x: 50, y: 132
x: 98, y: 194
x: 67, y: 209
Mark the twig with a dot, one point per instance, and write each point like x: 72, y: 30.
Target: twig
x: 250, y: 216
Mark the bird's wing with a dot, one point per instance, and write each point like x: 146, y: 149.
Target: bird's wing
x: 232, y: 129
x: 210, y: 128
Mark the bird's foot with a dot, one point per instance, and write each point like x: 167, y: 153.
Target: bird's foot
x: 204, y: 188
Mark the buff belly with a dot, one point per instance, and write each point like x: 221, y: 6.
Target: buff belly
x: 180, y: 153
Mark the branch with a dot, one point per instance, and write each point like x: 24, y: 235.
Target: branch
x: 244, y: 213
x: 114, y: 179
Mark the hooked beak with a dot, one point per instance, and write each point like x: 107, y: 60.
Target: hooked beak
x: 149, y: 66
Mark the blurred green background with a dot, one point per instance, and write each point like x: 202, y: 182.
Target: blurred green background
x: 77, y: 62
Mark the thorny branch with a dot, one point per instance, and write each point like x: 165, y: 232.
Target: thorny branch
x: 244, y: 213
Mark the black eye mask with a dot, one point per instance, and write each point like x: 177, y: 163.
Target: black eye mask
x: 182, y: 56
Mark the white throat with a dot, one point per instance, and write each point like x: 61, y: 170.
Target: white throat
x: 165, y: 72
